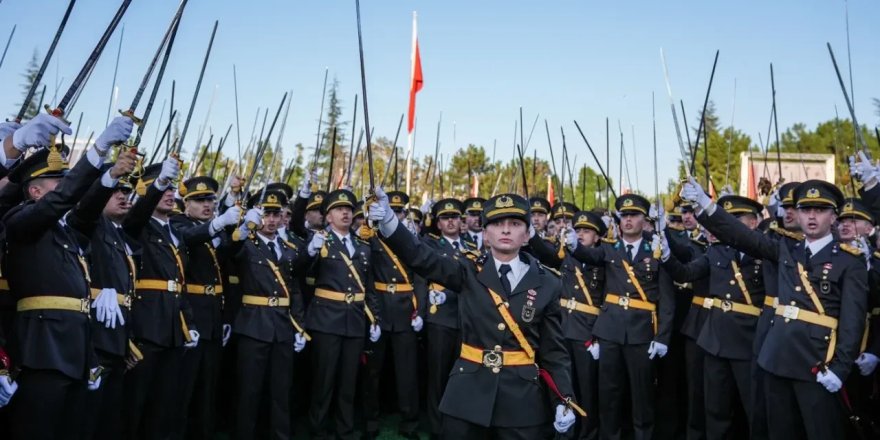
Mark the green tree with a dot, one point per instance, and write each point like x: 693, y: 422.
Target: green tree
x: 30, y: 75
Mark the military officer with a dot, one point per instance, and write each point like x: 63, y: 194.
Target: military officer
x: 473, y: 210
x: 162, y: 323
x: 732, y: 306
x: 205, y: 244
x: 57, y: 358
x: 511, y: 321
x: 267, y: 326
x: 403, y: 307
x: 582, y: 295
x: 443, y: 326
x: 814, y: 338
x: 345, y: 309
x: 635, y: 324
x: 539, y: 208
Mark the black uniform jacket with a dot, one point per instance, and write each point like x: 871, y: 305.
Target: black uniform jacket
x: 512, y: 397
x: 725, y: 333
x: 257, y: 278
x: 398, y: 307
x: 576, y: 325
x: 337, y: 272
x: 794, y: 347
x: 446, y: 314
x: 46, y: 258
x: 157, y: 313
x: 632, y: 325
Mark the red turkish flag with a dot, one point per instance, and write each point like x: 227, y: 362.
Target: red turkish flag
x: 417, y: 80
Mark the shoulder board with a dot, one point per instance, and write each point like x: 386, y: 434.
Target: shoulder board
x: 433, y: 235
x: 551, y: 270
x: 481, y: 260
x: 550, y: 239
x: 699, y: 242
x: 289, y: 244
x: 851, y: 249
x: 784, y: 232
x: 609, y: 240
x: 675, y: 228
x: 876, y: 254
x: 363, y: 241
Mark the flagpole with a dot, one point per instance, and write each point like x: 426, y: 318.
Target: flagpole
x: 412, y: 92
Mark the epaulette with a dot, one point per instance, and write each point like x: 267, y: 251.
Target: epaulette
x: 552, y: 270
x: 433, y: 235
x: 876, y: 254
x: 289, y: 244
x: 699, y: 242
x: 609, y: 240
x: 851, y: 249
x: 784, y: 232
x: 675, y: 228
x: 365, y: 233
x: 472, y: 255
x: 550, y: 239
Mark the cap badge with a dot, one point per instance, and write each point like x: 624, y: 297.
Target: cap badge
x: 271, y: 198
x: 627, y: 203
x: 344, y: 197
x: 812, y: 193
x: 728, y: 205
x: 504, y: 202
x: 201, y: 187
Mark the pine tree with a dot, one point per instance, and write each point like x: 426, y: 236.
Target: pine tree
x: 30, y: 74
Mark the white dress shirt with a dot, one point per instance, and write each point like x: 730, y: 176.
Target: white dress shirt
x: 518, y: 270
x: 267, y: 240
x: 162, y: 223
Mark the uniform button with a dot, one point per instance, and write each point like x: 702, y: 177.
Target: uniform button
x: 826, y: 338
x: 732, y: 282
x: 501, y: 326
x: 727, y: 296
x: 797, y: 288
x: 793, y: 303
x: 629, y: 281
x: 460, y: 369
x: 65, y: 246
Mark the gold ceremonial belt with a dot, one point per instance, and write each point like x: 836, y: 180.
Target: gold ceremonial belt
x: 122, y: 300
x: 727, y: 305
x: 393, y: 288
x: 53, y: 303
x: 771, y: 302
x: 339, y: 296
x: 798, y: 314
x: 573, y: 305
x: 495, y: 358
x: 627, y: 302
x: 164, y: 285
x: 206, y: 289
x: 265, y: 301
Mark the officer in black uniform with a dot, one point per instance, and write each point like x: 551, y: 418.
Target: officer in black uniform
x: 267, y: 326
x: 539, y: 208
x: 112, y: 258
x: 345, y: 309
x: 162, y: 322
x: 815, y: 335
x: 582, y: 295
x: 473, y: 210
x: 403, y: 307
x: 726, y: 336
x: 511, y: 325
x: 635, y: 324
x: 206, y: 246
x: 58, y: 361
x: 443, y: 326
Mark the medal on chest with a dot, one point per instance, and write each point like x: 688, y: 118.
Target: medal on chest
x: 528, y: 310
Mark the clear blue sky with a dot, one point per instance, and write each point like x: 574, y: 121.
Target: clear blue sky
x: 482, y: 60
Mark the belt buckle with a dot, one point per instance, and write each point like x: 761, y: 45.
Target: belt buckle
x: 172, y: 286
x: 790, y: 312
x: 708, y: 302
x: 273, y: 301
x: 726, y: 306
x: 392, y: 288
x: 493, y: 359
x: 126, y: 302
x: 209, y: 289
x: 349, y: 298
x: 571, y: 304
x: 84, y: 305
x: 623, y: 301
x: 775, y: 302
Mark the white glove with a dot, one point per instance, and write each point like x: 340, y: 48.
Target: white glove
x: 863, y: 169
x: 656, y: 243
x: 380, y: 211
x: 317, y: 243
x: 38, y: 131
x: 862, y: 244
x: 571, y: 239
x: 661, y: 219
x: 194, y: 339
x: 657, y: 349
x: 7, y: 128
x: 594, y: 350
x: 564, y: 419
x: 170, y: 170
x: 227, y: 333
x: 228, y: 218
x: 305, y: 186
x: 95, y: 378
x: 829, y: 380
x: 107, y: 308
x: 417, y: 323
x: 7, y: 389
x: 116, y: 133
x: 692, y: 191
x: 607, y: 220
x: 665, y: 252
x: 255, y: 216
x: 375, y: 333
x: 299, y: 342
x: 411, y: 226
x: 531, y: 232
x: 867, y: 363
x: 436, y: 297
x: 426, y: 207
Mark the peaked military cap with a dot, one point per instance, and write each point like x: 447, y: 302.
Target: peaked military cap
x: 565, y: 209
x: 150, y: 174
x: 199, y: 188
x: 590, y: 220
x: 446, y: 207
x: 819, y: 194
x: 506, y: 206
x: 474, y: 205
x: 359, y: 209
x: 675, y: 214
x: 737, y: 205
x: 315, y: 200
x: 539, y: 204
x: 337, y: 199
x: 272, y: 201
x: 397, y: 200
x: 633, y: 203
x: 415, y: 214
x: 44, y: 163
x: 855, y: 208
x: 786, y: 194
x: 283, y: 187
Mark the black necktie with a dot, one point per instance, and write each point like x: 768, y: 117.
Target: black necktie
x: 629, y: 252
x: 455, y: 245
x: 809, y: 254
x: 505, y: 269
x: 271, y: 245
x: 345, y: 243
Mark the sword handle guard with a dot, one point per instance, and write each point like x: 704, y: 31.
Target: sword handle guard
x: 57, y: 112
x: 130, y: 115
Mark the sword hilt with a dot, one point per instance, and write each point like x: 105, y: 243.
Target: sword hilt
x: 58, y: 112
x: 130, y: 115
